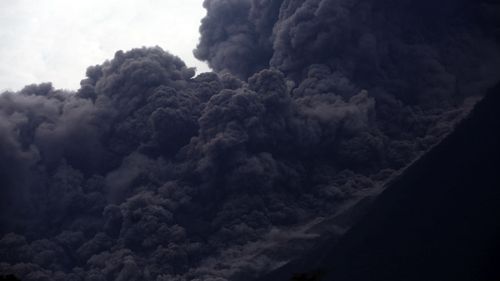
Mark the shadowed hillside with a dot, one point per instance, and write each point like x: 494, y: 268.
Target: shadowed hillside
x: 439, y: 220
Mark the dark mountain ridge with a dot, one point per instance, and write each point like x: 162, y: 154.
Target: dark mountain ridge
x: 439, y: 220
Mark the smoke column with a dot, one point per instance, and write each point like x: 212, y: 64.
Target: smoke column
x: 148, y: 172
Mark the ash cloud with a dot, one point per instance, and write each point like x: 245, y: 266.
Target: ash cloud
x: 236, y: 35
x: 150, y: 173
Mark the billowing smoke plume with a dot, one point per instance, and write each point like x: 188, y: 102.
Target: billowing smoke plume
x: 149, y: 172
x: 236, y: 35
x: 417, y: 51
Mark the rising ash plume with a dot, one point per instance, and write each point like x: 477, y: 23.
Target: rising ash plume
x: 148, y: 172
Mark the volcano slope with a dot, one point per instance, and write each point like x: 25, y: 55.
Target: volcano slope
x: 438, y: 220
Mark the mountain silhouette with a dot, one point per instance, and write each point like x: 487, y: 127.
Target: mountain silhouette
x: 438, y: 220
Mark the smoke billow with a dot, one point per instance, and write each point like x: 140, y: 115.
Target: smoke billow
x: 148, y: 172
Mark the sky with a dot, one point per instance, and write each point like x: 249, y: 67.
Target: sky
x: 56, y: 40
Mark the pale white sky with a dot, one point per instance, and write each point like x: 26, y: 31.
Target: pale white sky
x: 56, y: 40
